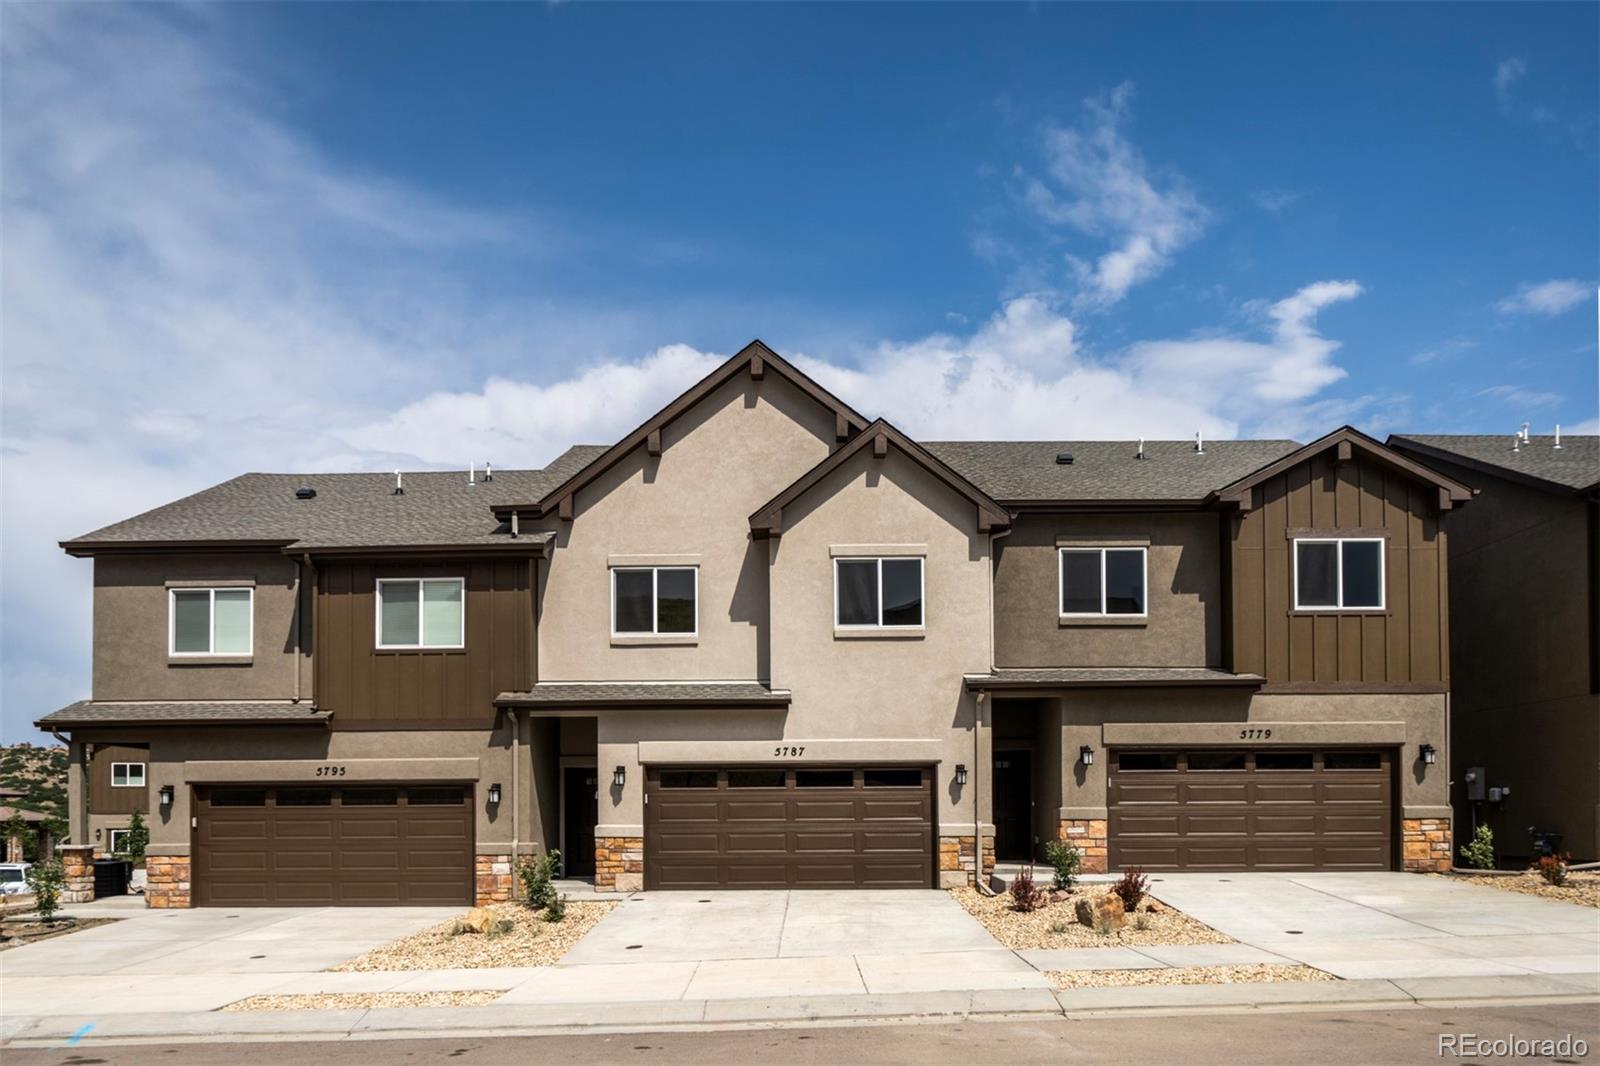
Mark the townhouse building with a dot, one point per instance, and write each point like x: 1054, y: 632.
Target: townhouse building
x: 763, y: 641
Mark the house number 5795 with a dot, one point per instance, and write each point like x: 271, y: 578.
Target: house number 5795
x: 330, y: 771
x: 783, y: 752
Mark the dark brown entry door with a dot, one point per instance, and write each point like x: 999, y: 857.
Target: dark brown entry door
x: 580, y: 811
x: 773, y: 827
x: 1268, y: 809
x: 264, y: 845
x: 1013, y: 805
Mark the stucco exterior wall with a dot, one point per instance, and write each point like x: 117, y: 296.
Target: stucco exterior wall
x: 131, y: 639
x: 720, y: 461
x: 1183, y: 593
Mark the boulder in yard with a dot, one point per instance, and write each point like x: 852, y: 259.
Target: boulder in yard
x: 1060, y: 895
x: 1102, y: 912
x: 478, y: 920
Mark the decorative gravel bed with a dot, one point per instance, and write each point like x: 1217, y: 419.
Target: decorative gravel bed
x: 531, y: 941
x: 1186, y: 975
x: 1582, y: 887
x: 348, y: 1000
x: 1055, y: 926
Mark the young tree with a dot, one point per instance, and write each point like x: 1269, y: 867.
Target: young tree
x: 135, y: 840
x: 16, y: 828
x: 46, y: 880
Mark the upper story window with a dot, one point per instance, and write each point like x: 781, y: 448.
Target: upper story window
x: 210, y: 621
x: 878, y: 593
x: 426, y: 612
x: 654, y: 601
x: 127, y: 775
x: 1099, y: 582
x: 1338, y: 574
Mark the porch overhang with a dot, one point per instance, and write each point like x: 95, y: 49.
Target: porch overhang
x: 1049, y: 680
x: 562, y: 696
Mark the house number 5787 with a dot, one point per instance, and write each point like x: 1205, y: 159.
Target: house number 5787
x: 783, y: 752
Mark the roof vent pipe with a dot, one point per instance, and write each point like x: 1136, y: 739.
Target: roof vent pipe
x: 1516, y: 442
x: 1063, y: 458
x: 472, y: 474
x: 306, y: 493
x: 1525, y: 433
x: 399, y: 484
x: 1558, y: 437
x: 1199, y: 444
x: 488, y: 471
x: 1141, y: 447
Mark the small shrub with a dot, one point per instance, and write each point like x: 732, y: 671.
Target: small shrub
x: 1066, y: 859
x: 1479, y: 855
x: 1102, y: 926
x: 1553, y: 868
x: 458, y: 928
x: 537, y: 874
x: 556, y: 909
x: 1141, y: 922
x: 500, y: 928
x: 45, y: 881
x: 1059, y: 928
x: 1131, y: 888
x: 1025, y: 895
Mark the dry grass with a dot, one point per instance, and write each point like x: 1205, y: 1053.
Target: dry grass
x: 1055, y: 926
x: 1186, y: 975
x: 1582, y: 887
x: 531, y: 941
x: 361, y: 1000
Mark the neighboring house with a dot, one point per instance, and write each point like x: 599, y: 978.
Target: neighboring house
x: 1525, y: 635
x: 763, y: 641
x: 36, y: 840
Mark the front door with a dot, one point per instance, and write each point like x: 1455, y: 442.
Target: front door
x: 580, y: 803
x: 1013, y: 805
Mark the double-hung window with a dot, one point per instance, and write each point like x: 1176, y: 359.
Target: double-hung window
x: 654, y: 601
x: 118, y: 841
x: 209, y: 621
x: 1338, y: 574
x: 1103, y: 582
x: 877, y: 593
x: 427, y: 612
x: 127, y: 775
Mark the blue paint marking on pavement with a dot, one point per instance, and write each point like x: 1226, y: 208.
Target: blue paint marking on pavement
x: 79, y: 1035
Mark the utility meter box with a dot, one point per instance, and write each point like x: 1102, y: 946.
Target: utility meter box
x: 1477, y: 784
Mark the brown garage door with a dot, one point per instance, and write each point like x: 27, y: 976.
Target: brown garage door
x: 765, y: 827
x: 1215, y: 809
x: 300, y: 845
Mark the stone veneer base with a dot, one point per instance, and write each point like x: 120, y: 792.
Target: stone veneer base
x: 493, y: 879
x: 1089, y: 834
x: 618, y: 864
x: 1425, y: 844
x: 958, y: 860
x: 166, y: 881
x: 78, y: 862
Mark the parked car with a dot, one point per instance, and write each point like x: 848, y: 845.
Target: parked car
x: 14, y: 878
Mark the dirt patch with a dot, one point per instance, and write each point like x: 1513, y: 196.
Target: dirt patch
x: 530, y: 941
x: 1186, y: 975
x: 1055, y: 926
x: 360, y: 1000
x: 15, y: 932
x: 1582, y: 887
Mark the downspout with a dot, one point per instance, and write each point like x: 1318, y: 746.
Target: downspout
x: 316, y: 621
x: 299, y: 627
x: 516, y: 796
x: 978, y: 879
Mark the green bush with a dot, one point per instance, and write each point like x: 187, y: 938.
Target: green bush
x: 1479, y: 855
x: 45, y: 881
x: 16, y: 827
x: 1066, y: 859
x: 537, y: 876
x: 135, y: 840
x: 556, y: 909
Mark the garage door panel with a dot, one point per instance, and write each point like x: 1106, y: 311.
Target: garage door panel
x: 689, y: 810
x: 1241, y: 816
x: 747, y: 875
x: 679, y: 840
x: 913, y: 809
x: 750, y: 810
x: 838, y: 841
x: 772, y: 842
x: 876, y: 841
x: 808, y: 810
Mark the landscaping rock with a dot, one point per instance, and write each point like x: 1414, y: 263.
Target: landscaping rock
x: 1154, y: 906
x: 478, y: 920
x: 1060, y: 895
x: 1102, y: 912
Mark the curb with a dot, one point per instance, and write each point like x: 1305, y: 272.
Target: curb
x: 904, y: 1008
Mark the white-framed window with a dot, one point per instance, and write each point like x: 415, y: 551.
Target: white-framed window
x: 1339, y: 574
x: 879, y: 592
x: 422, y: 612
x: 1103, y: 582
x: 127, y: 775
x: 210, y: 621
x: 655, y: 601
x: 116, y: 840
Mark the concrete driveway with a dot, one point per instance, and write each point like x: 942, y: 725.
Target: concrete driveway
x: 1391, y: 925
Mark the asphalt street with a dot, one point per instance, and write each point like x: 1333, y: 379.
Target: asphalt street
x: 1395, y: 1036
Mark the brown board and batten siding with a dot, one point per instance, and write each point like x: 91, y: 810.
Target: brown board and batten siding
x: 105, y: 799
x: 430, y: 688
x: 1403, y: 644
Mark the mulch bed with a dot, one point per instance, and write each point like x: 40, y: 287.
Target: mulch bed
x: 15, y: 932
x: 1582, y: 887
x: 1056, y: 926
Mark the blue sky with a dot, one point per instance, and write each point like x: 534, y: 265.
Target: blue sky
x: 358, y: 237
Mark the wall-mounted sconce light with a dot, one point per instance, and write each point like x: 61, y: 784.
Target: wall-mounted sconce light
x: 961, y: 773
x: 494, y: 794
x: 619, y: 776
x: 166, y: 795
x: 97, y: 834
x: 1430, y: 754
x: 1086, y: 755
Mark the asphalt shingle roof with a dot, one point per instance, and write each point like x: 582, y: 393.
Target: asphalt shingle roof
x: 586, y: 693
x: 349, y: 510
x: 1575, y: 465
x: 1027, y: 471
x: 90, y: 712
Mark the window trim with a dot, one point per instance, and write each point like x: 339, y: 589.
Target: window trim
x: 1061, y: 579
x: 111, y: 838
x: 654, y: 631
x: 922, y: 594
x: 377, y: 614
x: 1338, y: 575
x: 211, y: 622
x: 126, y: 782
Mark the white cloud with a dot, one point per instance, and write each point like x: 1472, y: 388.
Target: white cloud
x: 1276, y: 201
x: 1520, y: 396
x: 1098, y: 183
x: 1547, y: 297
x: 1506, y: 74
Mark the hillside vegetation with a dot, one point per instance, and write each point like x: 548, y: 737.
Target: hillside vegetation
x: 41, y: 773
